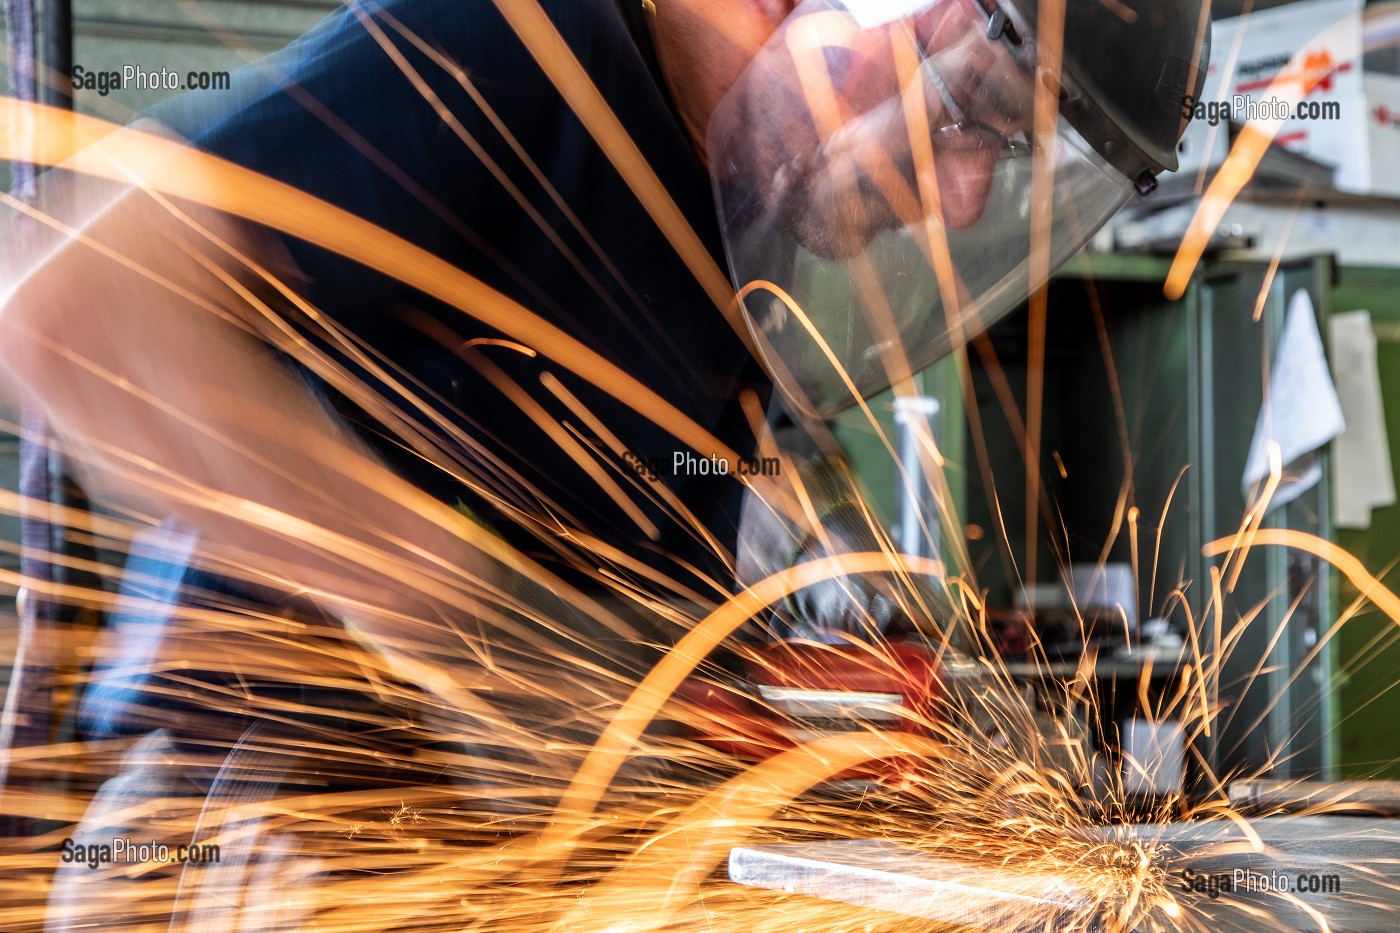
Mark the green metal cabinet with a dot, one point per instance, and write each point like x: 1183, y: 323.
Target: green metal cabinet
x: 1149, y: 410
x: 1367, y: 670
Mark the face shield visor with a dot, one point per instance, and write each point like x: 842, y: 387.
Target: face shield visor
x: 873, y: 172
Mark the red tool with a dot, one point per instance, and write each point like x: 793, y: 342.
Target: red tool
x: 798, y: 691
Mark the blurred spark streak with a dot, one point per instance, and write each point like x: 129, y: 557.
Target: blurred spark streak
x: 1115, y: 383
x: 1228, y: 66
x: 1322, y: 925
x: 94, y: 147
x: 1049, y: 48
x: 336, y: 124
x: 626, y: 726
x: 533, y: 410
x: 1121, y: 511
x: 1157, y: 540
x: 1254, y: 518
x: 539, y: 34
x: 496, y: 342
x: 1369, y: 587
x: 1217, y: 603
x: 1266, y: 286
x: 810, y: 40
x: 931, y: 237
x: 1133, y: 515
x: 1125, y: 911
x: 1198, y: 661
x: 1238, y: 167
x: 619, y: 450
x: 767, y: 446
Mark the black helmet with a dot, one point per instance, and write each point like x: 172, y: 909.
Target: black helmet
x: 1130, y: 72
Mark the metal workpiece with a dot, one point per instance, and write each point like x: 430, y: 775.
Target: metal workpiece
x: 1337, y: 874
x: 1362, y: 798
x: 1281, y: 872
x: 898, y: 879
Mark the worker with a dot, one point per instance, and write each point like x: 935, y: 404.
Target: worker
x: 850, y: 149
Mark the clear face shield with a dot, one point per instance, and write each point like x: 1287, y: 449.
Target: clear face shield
x: 872, y: 167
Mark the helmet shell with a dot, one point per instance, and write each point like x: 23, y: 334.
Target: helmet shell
x: 1131, y: 70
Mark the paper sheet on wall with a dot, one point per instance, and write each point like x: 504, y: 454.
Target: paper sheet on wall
x: 1361, y: 466
x: 1301, y: 412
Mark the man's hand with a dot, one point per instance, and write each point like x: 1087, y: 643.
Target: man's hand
x: 865, y: 606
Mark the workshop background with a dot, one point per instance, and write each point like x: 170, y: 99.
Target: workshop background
x: 1152, y: 409
x: 1150, y: 404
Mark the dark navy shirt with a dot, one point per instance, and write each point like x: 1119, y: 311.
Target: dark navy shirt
x: 336, y: 116
x: 344, y: 122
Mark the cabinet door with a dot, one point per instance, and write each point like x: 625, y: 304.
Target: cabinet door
x: 1274, y: 682
x: 1368, y: 645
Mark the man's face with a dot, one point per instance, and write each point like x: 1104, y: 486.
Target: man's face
x: 854, y: 131
x: 879, y: 196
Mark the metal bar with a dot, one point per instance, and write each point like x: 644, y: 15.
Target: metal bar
x: 1339, y: 874
x: 1308, y: 873
x: 1380, y: 798
x: 884, y: 876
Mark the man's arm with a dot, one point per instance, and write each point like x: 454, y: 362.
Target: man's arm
x: 129, y: 325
